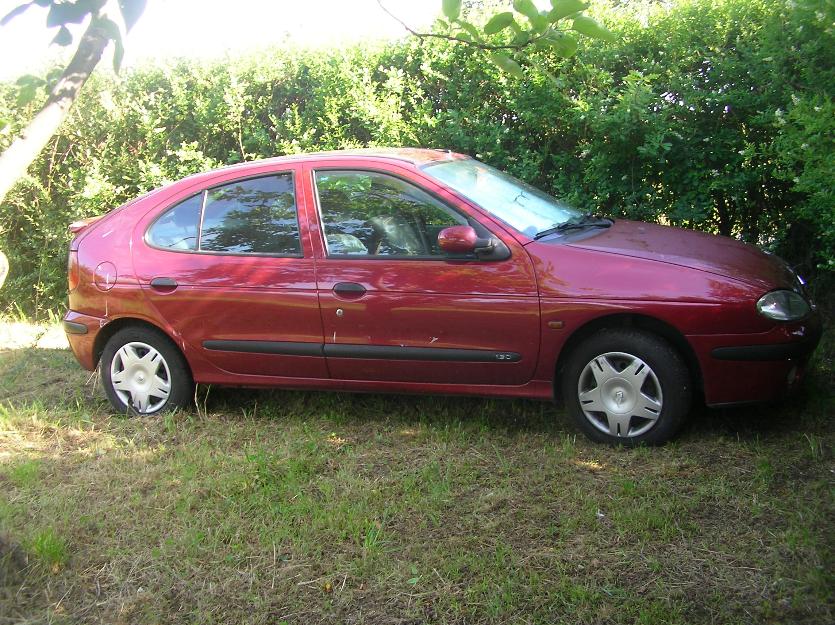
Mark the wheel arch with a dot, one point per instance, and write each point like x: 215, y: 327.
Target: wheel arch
x: 110, y: 329
x: 631, y: 320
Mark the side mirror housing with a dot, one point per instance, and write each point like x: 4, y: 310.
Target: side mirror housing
x: 464, y: 241
x: 458, y: 240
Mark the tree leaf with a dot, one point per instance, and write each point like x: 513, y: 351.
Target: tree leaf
x: 54, y: 74
x: 498, y: 23
x: 26, y: 94
x: 505, y: 63
x: 131, y: 11
x: 564, y: 8
x: 29, y: 79
x: 451, y: 8
x: 90, y: 6
x: 522, y: 38
x: 118, y: 54
x: 66, y: 13
x: 470, y: 29
x: 563, y: 44
x: 526, y: 8
x: 64, y: 37
x: 114, y: 33
x: 540, y: 23
x: 14, y: 13
x: 591, y: 28
x: 110, y: 28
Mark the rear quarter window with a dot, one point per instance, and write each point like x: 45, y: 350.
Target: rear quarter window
x: 177, y: 228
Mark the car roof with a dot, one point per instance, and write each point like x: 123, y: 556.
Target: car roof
x: 413, y: 156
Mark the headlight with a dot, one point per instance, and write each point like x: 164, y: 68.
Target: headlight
x: 783, y: 306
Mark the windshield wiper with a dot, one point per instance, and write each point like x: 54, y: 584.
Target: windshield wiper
x: 577, y: 223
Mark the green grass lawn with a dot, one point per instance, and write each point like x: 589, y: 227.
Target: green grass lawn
x: 301, y: 507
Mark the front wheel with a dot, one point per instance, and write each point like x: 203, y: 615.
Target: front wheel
x: 144, y: 373
x: 627, y: 387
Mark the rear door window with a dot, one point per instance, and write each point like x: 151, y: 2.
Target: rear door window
x: 254, y: 216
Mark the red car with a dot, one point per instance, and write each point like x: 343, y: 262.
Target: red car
x: 410, y: 270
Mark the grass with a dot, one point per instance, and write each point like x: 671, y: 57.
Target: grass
x: 296, y: 507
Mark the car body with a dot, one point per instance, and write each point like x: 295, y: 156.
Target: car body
x: 382, y: 270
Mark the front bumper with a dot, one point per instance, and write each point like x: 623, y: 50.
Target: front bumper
x: 744, y: 368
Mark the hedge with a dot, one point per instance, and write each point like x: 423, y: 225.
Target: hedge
x: 707, y: 114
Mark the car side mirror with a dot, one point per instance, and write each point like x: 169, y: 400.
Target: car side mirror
x: 464, y: 241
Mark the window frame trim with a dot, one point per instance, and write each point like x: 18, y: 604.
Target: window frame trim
x: 378, y: 257
x: 205, y: 193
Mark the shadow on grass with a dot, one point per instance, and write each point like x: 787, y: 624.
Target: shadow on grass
x: 51, y: 378
x: 369, y: 409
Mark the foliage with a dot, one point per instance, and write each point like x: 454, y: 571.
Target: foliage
x: 511, y: 35
x: 62, y: 14
x: 707, y: 114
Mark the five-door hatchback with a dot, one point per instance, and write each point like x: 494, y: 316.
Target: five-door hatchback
x: 407, y: 270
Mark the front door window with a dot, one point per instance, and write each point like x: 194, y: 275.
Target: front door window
x: 373, y: 214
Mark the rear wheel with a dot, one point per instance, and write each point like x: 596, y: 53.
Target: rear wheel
x: 627, y: 387
x: 144, y: 373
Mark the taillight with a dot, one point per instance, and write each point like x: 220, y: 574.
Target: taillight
x: 73, y: 271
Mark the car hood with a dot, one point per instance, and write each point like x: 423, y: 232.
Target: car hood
x: 715, y: 254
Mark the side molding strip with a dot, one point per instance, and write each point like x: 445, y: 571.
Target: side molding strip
x: 375, y: 352
x: 266, y: 347
x: 440, y: 354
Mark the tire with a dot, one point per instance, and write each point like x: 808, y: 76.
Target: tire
x: 627, y: 387
x: 144, y: 373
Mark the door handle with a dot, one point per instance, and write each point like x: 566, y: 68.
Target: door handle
x: 164, y: 285
x: 349, y: 290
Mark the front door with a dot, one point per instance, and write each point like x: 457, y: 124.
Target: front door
x: 394, y: 307
x: 226, y: 268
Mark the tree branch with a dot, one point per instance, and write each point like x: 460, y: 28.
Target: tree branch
x: 473, y: 44
x: 15, y: 160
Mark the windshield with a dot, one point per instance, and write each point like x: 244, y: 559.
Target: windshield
x: 517, y: 203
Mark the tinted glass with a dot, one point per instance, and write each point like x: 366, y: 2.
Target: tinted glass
x: 256, y: 216
x: 371, y: 214
x: 177, y: 228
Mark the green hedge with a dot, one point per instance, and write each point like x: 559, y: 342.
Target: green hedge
x: 711, y: 114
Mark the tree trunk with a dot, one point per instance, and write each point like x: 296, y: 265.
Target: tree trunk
x: 4, y: 269
x: 19, y: 155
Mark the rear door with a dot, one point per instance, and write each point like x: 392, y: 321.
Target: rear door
x: 230, y: 268
x: 394, y: 308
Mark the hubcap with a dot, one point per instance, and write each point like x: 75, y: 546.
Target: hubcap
x: 620, y: 394
x: 140, y: 377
